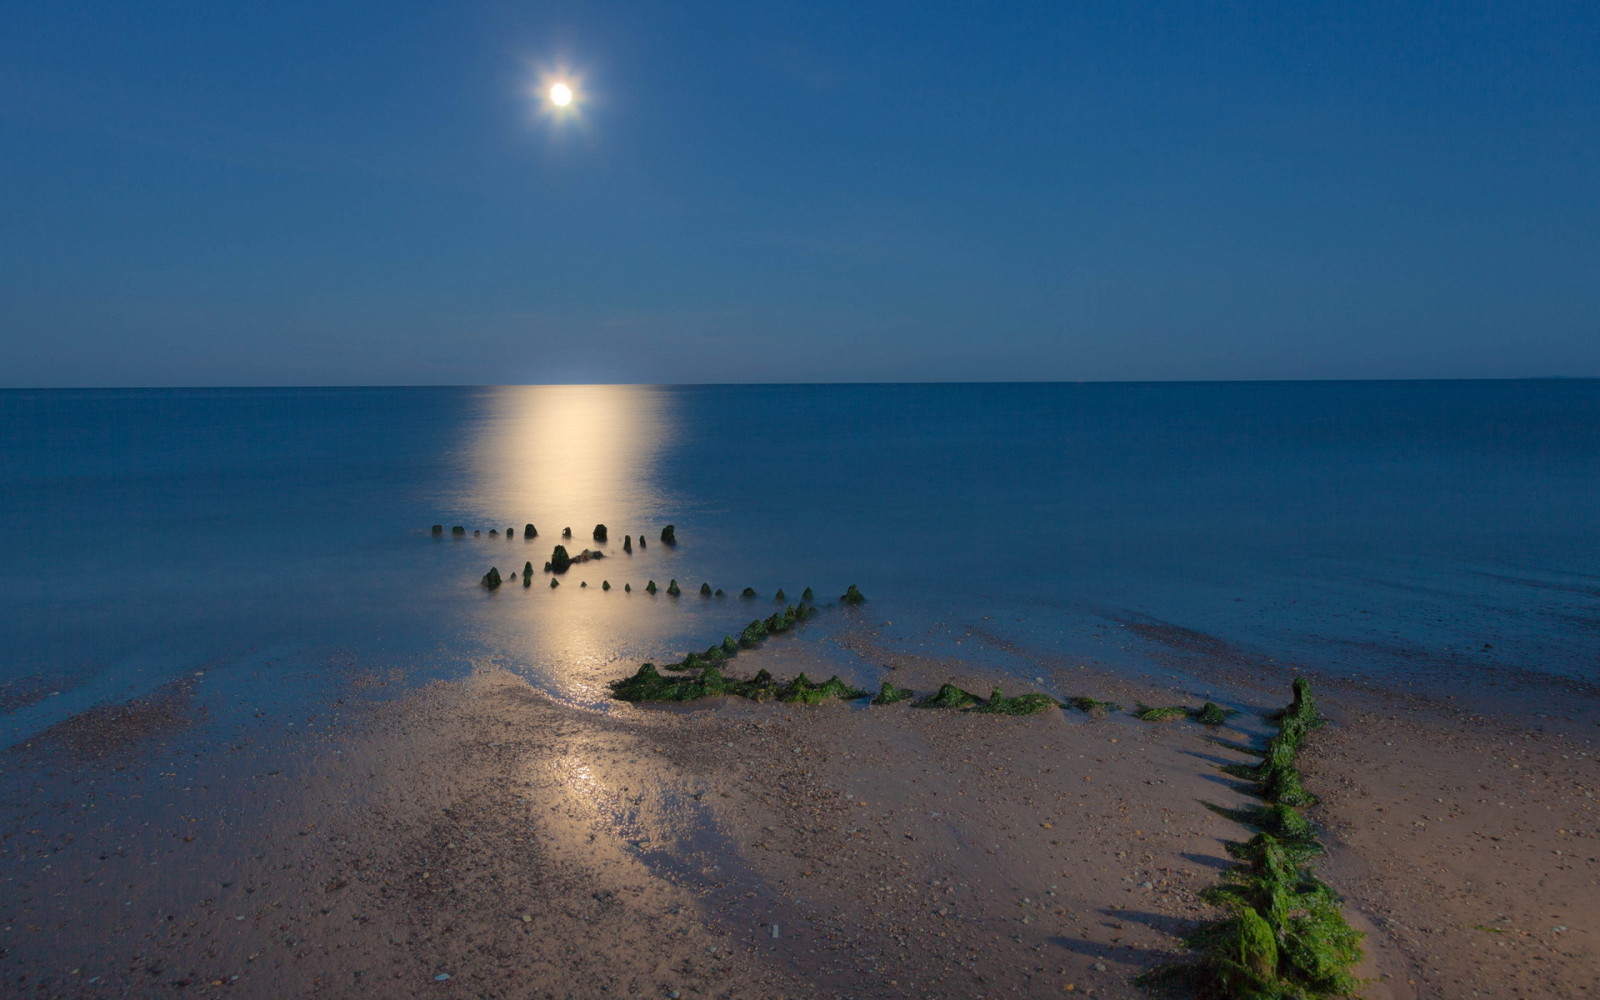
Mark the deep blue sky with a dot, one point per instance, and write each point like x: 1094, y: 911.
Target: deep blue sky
x: 297, y: 192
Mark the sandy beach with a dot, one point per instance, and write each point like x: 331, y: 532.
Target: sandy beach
x: 476, y: 839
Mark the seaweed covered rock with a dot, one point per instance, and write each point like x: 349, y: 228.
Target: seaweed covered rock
x: 1284, y: 822
x: 730, y: 645
x: 1281, y: 786
x: 748, y: 592
x: 559, y: 562
x: 888, y: 694
x: 1159, y: 713
x: 719, y: 593
x: 438, y: 531
x: 599, y: 532
x: 1094, y: 707
x: 529, y: 531
x: 853, y: 595
x: 650, y: 587
x: 669, y: 535
x: 647, y: 684
x: 1212, y: 714
x: 494, y: 532
x: 753, y: 634
x: 807, y: 596
x: 605, y: 584
x: 566, y: 532
x: 1023, y: 704
x: 458, y: 531
x: 761, y: 687
x: 491, y: 579
x: 779, y: 596
x: 705, y: 590
x: 527, y: 574
x: 627, y: 543
x: 948, y: 696
x: 510, y: 533
x: 802, y: 691
x: 554, y: 583
x: 672, y: 588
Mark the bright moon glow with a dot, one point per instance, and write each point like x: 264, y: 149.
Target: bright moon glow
x: 560, y: 95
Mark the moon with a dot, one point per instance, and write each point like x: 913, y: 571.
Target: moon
x: 560, y: 95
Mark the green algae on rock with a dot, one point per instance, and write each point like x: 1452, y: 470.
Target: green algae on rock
x: 779, y: 596
x: 559, y: 562
x: 753, y: 633
x: 669, y: 535
x: 802, y: 691
x: 807, y: 595
x: 888, y: 694
x: 1023, y: 704
x: 1094, y: 707
x: 529, y: 531
x: 853, y: 595
x: 527, y: 574
x: 1153, y: 713
x: 438, y: 531
x: 748, y: 592
x: 458, y: 531
x: 705, y: 590
x: 650, y: 587
x: 491, y: 579
x: 672, y: 588
x: 554, y: 583
x: 1212, y: 714
x: 605, y: 584
x: 948, y: 696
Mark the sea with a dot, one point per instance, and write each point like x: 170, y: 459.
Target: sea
x: 278, y: 543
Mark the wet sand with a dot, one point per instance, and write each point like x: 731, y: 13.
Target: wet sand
x: 475, y: 839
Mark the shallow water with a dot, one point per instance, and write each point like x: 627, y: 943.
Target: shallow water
x: 277, y: 538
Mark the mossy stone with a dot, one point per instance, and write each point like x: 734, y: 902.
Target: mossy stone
x: 748, y: 592
x: 807, y: 595
x: 1212, y: 714
x: 458, y: 531
x: 705, y: 590
x: 605, y: 584
x: 1094, y: 707
x: 672, y: 588
x: 853, y: 595
x: 491, y: 579
x: 650, y: 587
x: 599, y: 532
x: 779, y: 596
x: 1153, y: 713
x: 669, y: 535
x: 559, y: 562
x: 438, y: 530
x: 554, y: 583
x: 888, y: 694
x: 1031, y: 703
x: 948, y: 696
x: 566, y: 532
x: 529, y: 531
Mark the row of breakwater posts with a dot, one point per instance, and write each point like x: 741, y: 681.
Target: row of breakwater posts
x: 669, y: 534
x: 1285, y: 936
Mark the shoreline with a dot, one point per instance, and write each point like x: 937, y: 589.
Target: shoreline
x: 477, y: 830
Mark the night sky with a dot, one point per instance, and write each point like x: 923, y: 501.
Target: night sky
x: 376, y: 193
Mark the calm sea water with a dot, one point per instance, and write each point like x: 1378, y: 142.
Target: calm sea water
x: 271, y: 538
